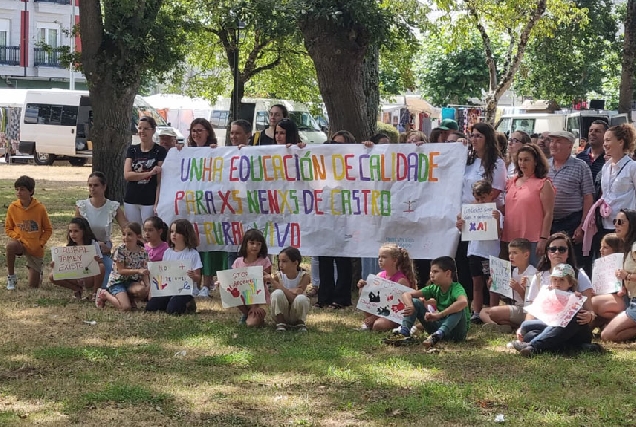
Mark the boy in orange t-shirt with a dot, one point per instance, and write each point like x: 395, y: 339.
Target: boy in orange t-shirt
x: 28, y: 226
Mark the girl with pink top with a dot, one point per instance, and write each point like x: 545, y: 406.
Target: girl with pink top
x: 253, y: 253
x: 396, y: 266
x: 529, y: 201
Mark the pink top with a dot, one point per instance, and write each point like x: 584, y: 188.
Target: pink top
x: 156, y: 254
x: 524, y: 210
x: 265, y: 262
x: 397, y: 276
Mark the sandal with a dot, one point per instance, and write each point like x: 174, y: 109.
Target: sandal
x: 336, y: 306
x: 281, y: 327
x: 318, y: 305
x: 301, y: 327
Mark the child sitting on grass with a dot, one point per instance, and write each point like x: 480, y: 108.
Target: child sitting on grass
x: 506, y: 318
x: 452, y: 318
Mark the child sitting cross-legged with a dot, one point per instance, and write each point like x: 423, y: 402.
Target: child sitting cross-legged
x: 452, y: 318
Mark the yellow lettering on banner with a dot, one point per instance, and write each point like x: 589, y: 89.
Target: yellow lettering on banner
x: 217, y: 169
x: 338, y: 176
x: 277, y: 166
x: 209, y: 233
x: 191, y: 201
x: 333, y: 204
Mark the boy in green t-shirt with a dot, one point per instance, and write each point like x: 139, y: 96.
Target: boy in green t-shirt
x: 452, y: 318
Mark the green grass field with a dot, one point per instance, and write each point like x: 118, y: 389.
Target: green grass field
x: 137, y: 369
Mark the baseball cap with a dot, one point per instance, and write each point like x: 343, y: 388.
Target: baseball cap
x: 448, y: 124
x: 563, y: 134
x: 167, y: 132
x: 562, y: 270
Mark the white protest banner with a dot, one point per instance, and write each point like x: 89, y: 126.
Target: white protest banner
x: 500, y: 274
x: 383, y: 298
x: 555, y: 307
x: 74, y: 262
x: 604, y: 278
x: 169, y: 278
x: 336, y: 200
x: 241, y: 286
x: 478, y: 222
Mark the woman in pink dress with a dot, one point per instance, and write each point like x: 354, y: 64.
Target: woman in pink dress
x: 529, y: 201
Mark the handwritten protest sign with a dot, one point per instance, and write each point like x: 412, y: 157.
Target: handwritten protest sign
x: 604, y: 278
x: 383, y: 298
x: 74, y: 262
x: 554, y: 307
x: 500, y: 274
x: 478, y: 222
x: 169, y: 278
x: 241, y: 286
x: 322, y: 199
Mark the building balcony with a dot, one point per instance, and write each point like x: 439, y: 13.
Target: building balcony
x: 47, y: 57
x: 10, y: 55
x: 54, y: 1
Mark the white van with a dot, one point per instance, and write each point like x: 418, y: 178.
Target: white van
x: 49, y: 124
x: 256, y: 111
x: 531, y: 123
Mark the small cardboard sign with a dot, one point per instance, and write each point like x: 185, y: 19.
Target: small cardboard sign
x: 383, y: 298
x: 478, y: 222
x: 500, y: 275
x: 170, y: 278
x: 74, y: 262
x: 241, y: 286
x: 604, y: 278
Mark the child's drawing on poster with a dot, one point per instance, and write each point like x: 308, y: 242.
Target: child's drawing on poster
x: 500, y: 274
x: 169, y: 278
x: 604, y: 278
x: 383, y: 298
x: 554, y: 307
x: 241, y: 286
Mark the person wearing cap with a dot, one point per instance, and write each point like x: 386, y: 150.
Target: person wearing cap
x: 447, y: 125
x: 536, y: 336
x: 572, y: 179
x: 167, y: 138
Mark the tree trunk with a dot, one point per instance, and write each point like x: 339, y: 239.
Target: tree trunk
x: 371, y: 81
x: 111, y: 134
x: 231, y: 118
x: 339, y: 60
x: 629, y: 56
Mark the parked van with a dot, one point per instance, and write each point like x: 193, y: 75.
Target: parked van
x: 531, y: 123
x: 256, y: 111
x: 579, y: 122
x: 49, y: 124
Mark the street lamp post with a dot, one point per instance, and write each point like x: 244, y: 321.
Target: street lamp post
x: 236, y: 101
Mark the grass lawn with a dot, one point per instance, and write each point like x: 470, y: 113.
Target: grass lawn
x: 142, y: 369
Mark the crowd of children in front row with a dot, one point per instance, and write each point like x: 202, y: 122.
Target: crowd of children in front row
x: 441, y: 305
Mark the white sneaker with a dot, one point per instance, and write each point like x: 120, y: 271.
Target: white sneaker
x: 12, y: 282
x: 204, y: 292
x: 195, y: 291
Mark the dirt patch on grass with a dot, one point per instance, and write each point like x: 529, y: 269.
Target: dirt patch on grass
x: 44, y: 174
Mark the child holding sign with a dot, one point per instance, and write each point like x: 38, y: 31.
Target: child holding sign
x: 480, y: 250
x: 253, y: 252
x: 607, y: 306
x: 451, y: 320
x: 289, y: 304
x: 80, y: 234
x: 504, y: 318
x: 130, y: 268
x: 535, y: 336
x: 183, y: 247
x: 395, y: 265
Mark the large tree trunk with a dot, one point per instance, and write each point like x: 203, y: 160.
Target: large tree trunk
x: 629, y: 56
x: 371, y: 81
x: 339, y: 60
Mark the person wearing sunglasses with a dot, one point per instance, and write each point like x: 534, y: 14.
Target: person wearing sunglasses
x: 577, y: 334
x: 623, y: 326
x: 517, y: 140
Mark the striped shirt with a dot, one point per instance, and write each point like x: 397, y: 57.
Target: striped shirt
x: 572, y: 181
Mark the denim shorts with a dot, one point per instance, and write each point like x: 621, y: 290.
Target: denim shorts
x: 119, y: 287
x: 631, y: 309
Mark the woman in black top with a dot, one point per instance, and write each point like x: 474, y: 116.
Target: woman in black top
x: 277, y: 112
x: 142, y: 171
